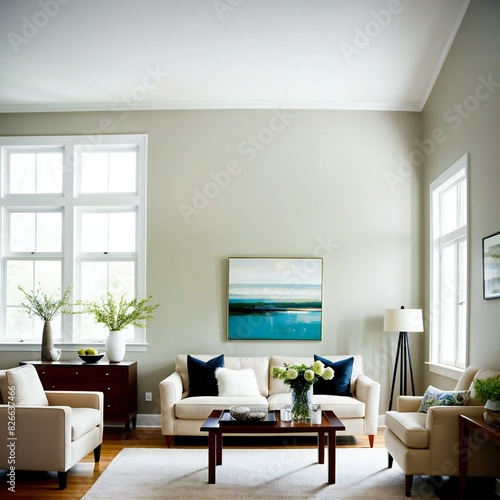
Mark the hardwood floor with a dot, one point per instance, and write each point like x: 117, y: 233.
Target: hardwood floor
x: 82, y: 476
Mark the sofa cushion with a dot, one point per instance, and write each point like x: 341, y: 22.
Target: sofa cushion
x: 409, y: 427
x: 343, y: 406
x: 340, y: 384
x: 83, y: 420
x: 236, y: 382
x: 199, y: 408
x: 28, y: 388
x: 202, y: 381
x: 436, y: 397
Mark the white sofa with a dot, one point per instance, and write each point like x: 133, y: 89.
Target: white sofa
x: 183, y: 416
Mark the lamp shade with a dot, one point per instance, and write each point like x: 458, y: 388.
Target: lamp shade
x: 403, y: 320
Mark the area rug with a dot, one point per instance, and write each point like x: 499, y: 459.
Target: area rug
x: 145, y: 473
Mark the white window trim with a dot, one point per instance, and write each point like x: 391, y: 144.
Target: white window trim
x: 69, y: 144
x: 447, y: 177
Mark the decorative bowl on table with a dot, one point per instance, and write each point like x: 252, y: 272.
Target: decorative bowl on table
x: 257, y: 414
x: 239, y: 412
x: 91, y: 358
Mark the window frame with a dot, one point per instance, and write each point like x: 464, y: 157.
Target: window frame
x: 69, y: 201
x: 438, y: 242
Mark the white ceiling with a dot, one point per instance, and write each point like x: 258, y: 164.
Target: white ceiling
x: 206, y: 54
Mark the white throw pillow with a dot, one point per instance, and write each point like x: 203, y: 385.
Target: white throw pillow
x: 27, y: 386
x: 237, y: 382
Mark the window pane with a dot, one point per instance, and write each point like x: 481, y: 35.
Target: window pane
x: 35, y: 232
x: 108, y: 232
x: 462, y: 305
x: 94, y: 172
x: 449, y: 210
x: 49, y: 173
x: 449, y: 304
x: 31, y: 275
x: 22, y: 232
x: 99, y: 277
x: 35, y: 173
x: 122, y: 232
x: 22, y: 173
x: 123, y: 172
x: 94, y: 237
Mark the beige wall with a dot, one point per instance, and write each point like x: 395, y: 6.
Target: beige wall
x: 471, y: 125
x: 325, y: 183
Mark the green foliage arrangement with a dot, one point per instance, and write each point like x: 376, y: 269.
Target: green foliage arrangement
x: 45, y: 306
x: 117, y: 315
x: 488, y: 388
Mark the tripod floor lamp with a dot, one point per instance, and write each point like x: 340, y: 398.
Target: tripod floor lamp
x: 403, y: 321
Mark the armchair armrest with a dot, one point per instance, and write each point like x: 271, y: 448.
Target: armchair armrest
x: 37, y: 428
x: 170, y: 392
x: 368, y: 391
x: 442, y: 424
x: 408, y: 403
x: 76, y: 399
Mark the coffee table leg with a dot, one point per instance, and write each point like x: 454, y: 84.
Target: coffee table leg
x: 211, y: 456
x: 321, y: 447
x: 219, y: 448
x: 331, y: 456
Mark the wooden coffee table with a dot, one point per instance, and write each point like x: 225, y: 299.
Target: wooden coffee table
x: 329, y: 426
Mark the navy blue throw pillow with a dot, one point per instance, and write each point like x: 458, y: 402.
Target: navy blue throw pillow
x: 340, y: 385
x: 202, y: 381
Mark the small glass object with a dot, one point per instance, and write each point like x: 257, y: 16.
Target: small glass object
x: 316, y: 414
x: 286, y: 414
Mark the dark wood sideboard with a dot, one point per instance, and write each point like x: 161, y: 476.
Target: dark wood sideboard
x: 118, y: 382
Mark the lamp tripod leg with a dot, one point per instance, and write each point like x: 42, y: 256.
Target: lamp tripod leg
x: 398, y: 353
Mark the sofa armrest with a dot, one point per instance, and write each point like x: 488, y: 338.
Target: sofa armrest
x: 170, y: 392
x: 368, y: 391
x: 408, y: 403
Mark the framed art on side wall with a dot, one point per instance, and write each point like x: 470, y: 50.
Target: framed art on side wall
x: 491, y: 266
x: 273, y: 298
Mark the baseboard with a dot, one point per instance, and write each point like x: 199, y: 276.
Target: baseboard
x: 148, y: 420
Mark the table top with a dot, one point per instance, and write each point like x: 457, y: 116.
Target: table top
x: 73, y: 362
x: 478, y: 422
x: 329, y: 422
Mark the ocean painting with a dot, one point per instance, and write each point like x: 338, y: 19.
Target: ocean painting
x: 274, y: 298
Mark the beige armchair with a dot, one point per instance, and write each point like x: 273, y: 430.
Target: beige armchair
x: 49, y: 437
x: 428, y: 443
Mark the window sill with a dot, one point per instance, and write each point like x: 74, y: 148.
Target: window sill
x: 36, y: 346
x: 445, y: 370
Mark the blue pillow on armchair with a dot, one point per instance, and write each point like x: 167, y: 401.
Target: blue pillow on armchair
x: 202, y: 381
x: 340, y: 385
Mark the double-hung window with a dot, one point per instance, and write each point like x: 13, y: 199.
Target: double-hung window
x: 449, y: 269
x: 72, y: 214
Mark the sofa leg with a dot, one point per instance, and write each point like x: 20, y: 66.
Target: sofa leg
x: 97, y: 454
x: 408, y: 484
x: 371, y: 438
x: 389, y: 460
x: 62, y: 478
x: 170, y: 440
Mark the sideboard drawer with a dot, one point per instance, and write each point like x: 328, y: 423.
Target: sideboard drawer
x: 78, y: 373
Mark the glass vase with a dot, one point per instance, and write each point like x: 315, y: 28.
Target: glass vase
x: 301, y: 403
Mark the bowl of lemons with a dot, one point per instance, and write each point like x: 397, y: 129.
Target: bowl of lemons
x: 90, y: 355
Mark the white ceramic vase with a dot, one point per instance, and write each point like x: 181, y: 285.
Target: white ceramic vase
x: 115, y: 346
